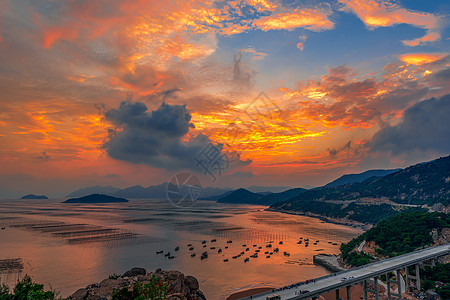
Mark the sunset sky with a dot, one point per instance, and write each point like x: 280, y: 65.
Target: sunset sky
x: 293, y: 93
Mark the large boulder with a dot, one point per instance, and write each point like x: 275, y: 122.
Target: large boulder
x: 134, y: 272
x: 192, y: 283
x: 176, y: 284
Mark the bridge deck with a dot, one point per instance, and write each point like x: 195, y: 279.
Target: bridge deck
x: 332, y: 282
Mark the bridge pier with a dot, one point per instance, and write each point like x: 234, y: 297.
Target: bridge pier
x: 388, y: 283
x: 365, y: 289
x: 368, y: 290
x: 399, y: 284
x: 349, y: 295
x: 337, y: 294
x: 416, y: 277
x: 433, y: 262
x: 376, y: 287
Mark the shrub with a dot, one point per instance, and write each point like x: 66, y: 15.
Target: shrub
x: 154, y: 290
x: 26, y: 289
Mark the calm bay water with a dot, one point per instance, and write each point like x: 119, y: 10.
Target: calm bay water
x: 69, y: 246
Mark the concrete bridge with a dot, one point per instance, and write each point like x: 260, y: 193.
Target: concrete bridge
x: 364, y: 274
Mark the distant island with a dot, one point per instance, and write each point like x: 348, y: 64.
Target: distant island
x: 33, y: 196
x: 96, y: 198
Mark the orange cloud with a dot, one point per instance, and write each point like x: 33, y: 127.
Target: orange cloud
x: 382, y: 14
x: 302, y: 42
x: 80, y: 78
x: 312, y: 19
x: 421, y: 58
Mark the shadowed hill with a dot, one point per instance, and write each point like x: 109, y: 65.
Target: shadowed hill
x: 352, y: 178
x: 425, y: 183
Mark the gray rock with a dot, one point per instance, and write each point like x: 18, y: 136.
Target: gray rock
x: 176, y: 282
x: 80, y: 294
x: 200, y: 295
x: 192, y: 283
x: 134, y: 272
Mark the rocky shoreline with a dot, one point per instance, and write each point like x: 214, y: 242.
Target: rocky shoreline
x: 173, y: 285
x: 328, y: 261
x: 345, y: 222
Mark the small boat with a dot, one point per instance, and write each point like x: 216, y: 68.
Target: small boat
x: 220, y: 251
x: 171, y: 257
x: 213, y: 240
x: 255, y: 255
x: 269, y: 246
x: 229, y: 242
x: 204, y: 242
x: 299, y: 242
x: 247, y: 260
x: 193, y: 254
x: 271, y: 253
x: 192, y: 248
x: 267, y: 252
x: 159, y: 252
x: 225, y: 260
x: 260, y: 247
x: 226, y: 247
x: 3, y: 228
x: 212, y: 248
x: 234, y: 257
x: 281, y: 243
x: 245, y: 245
x: 167, y: 254
x: 276, y: 250
x: 334, y: 244
x: 189, y: 245
x: 177, y: 248
x: 204, y: 246
x: 204, y: 255
x: 247, y: 249
x: 306, y: 245
x: 255, y: 245
x: 286, y: 253
x: 257, y: 250
x: 315, y: 243
x: 268, y: 256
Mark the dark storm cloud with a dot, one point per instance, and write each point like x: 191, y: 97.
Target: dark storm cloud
x: 443, y: 74
x: 424, y: 128
x: 154, y: 138
x: 41, y: 156
x: 335, y: 151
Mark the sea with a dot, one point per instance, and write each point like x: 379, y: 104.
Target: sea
x: 68, y: 246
